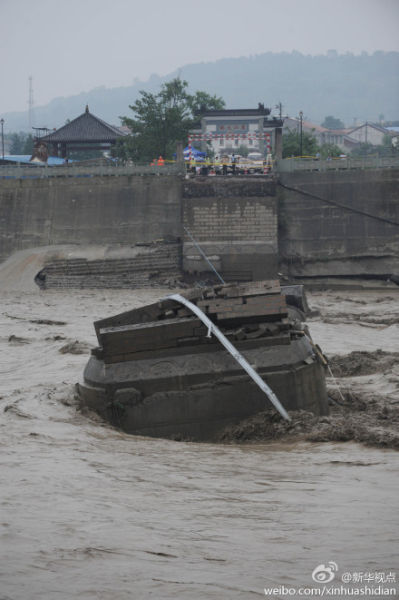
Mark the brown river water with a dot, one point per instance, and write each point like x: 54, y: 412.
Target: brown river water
x: 91, y: 513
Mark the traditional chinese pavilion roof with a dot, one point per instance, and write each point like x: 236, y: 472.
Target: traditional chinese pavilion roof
x: 86, y: 128
x: 236, y: 112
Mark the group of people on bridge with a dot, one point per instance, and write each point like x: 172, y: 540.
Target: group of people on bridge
x: 160, y: 162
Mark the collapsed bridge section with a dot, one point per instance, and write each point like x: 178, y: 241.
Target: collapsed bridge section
x: 157, y: 370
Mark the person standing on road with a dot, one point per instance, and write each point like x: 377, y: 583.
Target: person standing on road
x: 233, y: 164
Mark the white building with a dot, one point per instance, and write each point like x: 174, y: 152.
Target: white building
x: 369, y: 133
x: 346, y: 139
x: 227, y: 130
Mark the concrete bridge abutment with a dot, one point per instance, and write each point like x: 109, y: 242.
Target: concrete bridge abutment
x: 308, y: 224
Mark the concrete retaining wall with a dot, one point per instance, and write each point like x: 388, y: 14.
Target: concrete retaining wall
x: 320, y: 239
x: 98, y: 210
x: 245, y: 225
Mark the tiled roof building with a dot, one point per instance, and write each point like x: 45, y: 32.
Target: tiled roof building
x: 85, y: 129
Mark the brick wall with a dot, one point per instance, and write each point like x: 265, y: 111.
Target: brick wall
x: 161, y: 265
x: 235, y: 223
x: 232, y: 219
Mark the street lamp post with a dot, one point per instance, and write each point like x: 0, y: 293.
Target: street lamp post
x: 301, y: 136
x: 2, y: 137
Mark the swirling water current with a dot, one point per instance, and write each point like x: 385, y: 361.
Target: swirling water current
x: 92, y: 513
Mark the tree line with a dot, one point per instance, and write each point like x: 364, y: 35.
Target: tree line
x: 161, y: 120
x: 20, y: 143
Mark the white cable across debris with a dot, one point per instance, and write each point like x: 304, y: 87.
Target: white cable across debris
x: 212, y: 328
x: 336, y: 383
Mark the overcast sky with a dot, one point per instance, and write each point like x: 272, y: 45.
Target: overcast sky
x: 72, y: 46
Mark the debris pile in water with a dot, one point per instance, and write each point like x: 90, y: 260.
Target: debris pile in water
x: 159, y: 372
x: 356, y: 413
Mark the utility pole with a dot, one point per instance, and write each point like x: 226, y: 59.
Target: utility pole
x: 301, y: 136
x: 30, y: 104
x: 280, y: 109
x: 2, y: 137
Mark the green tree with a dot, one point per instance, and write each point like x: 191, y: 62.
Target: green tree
x: 331, y: 122
x: 389, y: 146
x: 364, y: 149
x: 210, y: 152
x: 28, y: 145
x: 17, y: 143
x: 385, y: 149
x: 243, y: 151
x: 21, y: 143
x: 202, y: 101
x: 292, y: 144
x: 161, y: 120
x: 329, y: 150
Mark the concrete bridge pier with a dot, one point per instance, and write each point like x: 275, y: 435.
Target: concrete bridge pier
x: 235, y: 222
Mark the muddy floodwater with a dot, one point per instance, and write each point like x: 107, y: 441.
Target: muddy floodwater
x: 91, y: 513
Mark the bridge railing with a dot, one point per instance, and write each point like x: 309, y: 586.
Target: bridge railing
x: 286, y: 165
x: 289, y: 165
x: 63, y: 171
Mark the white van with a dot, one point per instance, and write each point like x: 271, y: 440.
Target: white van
x: 255, y: 156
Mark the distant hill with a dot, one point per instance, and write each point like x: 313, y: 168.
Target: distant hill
x: 346, y: 86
